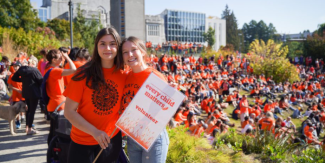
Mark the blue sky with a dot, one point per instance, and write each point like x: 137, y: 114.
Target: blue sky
x: 288, y: 16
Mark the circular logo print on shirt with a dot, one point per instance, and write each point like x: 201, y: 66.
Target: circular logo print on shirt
x: 105, y: 97
x: 127, y: 98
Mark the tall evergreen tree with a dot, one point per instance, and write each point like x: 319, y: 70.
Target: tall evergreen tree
x: 18, y: 13
x: 231, y: 27
x: 258, y: 30
x: 209, y: 37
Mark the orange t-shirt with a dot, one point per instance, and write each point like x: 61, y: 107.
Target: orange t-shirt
x: 322, y: 118
x: 267, y: 123
x: 179, y: 117
x: 306, y: 129
x: 244, y: 124
x: 133, y: 83
x: 15, y: 95
x: 98, y: 107
x: 165, y: 59
x: 11, y: 69
x: 267, y: 108
x: 243, y: 109
x: 310, y: 136
x: 55, y: 88
x: 78, y: 64
x: 257, y: 112
x: 164, y: 68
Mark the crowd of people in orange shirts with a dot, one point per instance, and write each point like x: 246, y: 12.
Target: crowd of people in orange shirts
x: 176, y: 47
x: 212, y: 84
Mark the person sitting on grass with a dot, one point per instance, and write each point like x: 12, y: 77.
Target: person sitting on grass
x: 289, y: 124
x: 268, y: 122
x: 179, y: 118
x: 311, y: 139
x: 249, y: 126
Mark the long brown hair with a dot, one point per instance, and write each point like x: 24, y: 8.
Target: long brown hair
x: 92, y: 70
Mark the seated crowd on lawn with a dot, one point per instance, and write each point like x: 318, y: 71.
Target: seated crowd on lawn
x: 211, y: 85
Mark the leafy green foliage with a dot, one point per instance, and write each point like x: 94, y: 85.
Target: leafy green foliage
x: 31, y: 42
x: 270, y: 59
x: 295, y: 49
x: 85, y: 30
x: 231, y: 27
x: 18, y: 14
x: 310, y: 155
x: 315, y: 46
x: 258, y: 31
x: 209, y: 37
x: 187, y: 148
x: 268, y: 148
x: 321, y: 30
x: 61, y: 27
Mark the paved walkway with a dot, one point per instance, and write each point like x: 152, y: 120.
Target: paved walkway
x: 23, y: 148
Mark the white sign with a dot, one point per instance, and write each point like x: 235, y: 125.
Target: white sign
x: 150, y: 111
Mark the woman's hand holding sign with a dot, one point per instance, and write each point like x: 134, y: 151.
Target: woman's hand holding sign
x: 102, y: 138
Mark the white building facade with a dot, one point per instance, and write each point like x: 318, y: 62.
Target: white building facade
x: 91, y: 9
x: 43, y: 13
x: 155, y: 30
x: 219, y: 25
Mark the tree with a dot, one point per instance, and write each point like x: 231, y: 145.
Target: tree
x: 270, y: 59
x: 259, y: 30
x: 295, y: 49
x: 85, y: 30
x: 209, y: 37
x: 17, y: 40
x: 314, y: 46
x: 18, y: 13
x: 321, y: 30
x: 231, y: 27
x: 61, y: 27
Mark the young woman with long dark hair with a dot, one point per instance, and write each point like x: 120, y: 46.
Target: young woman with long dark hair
x: 93, y: 101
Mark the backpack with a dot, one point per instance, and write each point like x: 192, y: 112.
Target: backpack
x: 45, y: 97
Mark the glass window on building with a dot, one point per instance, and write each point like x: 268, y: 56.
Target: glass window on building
x: 153, y: 30
x: 40, y: 13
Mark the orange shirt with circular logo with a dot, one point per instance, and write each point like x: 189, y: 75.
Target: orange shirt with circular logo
x: 98, y: 107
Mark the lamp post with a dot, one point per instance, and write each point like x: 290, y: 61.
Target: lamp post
x: 71, y: 17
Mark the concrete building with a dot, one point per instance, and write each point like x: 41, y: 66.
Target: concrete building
x: 219, y: 25
x: 183, y: 26
x: 128, y: 17
x: 296, y: 37
x: 44, y: 13
x: 155, y: 29
x: 91, y: 9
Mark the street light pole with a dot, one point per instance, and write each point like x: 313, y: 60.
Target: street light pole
x: 71, y: 17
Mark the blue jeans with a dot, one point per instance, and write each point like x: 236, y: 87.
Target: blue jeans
x: 157, y: 153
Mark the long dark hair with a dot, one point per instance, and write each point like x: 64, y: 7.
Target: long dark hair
x: 92, y: 70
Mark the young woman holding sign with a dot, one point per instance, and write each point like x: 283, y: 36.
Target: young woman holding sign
x: 93, y: 101
x: 133, y: 53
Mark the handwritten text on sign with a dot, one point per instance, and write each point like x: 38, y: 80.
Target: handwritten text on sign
x: 150, y: 111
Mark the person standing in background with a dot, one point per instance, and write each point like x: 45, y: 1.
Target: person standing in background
x: 31, y: 80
